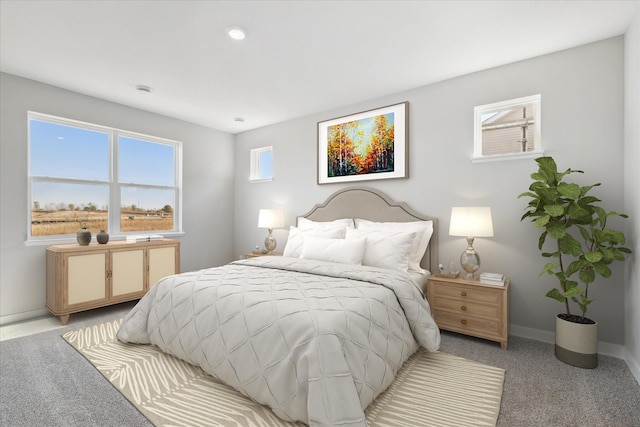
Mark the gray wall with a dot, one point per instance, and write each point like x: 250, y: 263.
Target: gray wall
x: 582, y: 127
x: 207, y: 182
x: 632, y: 193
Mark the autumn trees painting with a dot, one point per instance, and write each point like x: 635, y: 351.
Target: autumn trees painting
x: 364, y: 146
x: 361, y: 146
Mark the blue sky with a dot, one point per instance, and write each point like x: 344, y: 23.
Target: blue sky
x: 70, y: 152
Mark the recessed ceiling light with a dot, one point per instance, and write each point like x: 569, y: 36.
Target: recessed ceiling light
x: 143, y: 88
x: 238, y: 119
x: 236, y: 33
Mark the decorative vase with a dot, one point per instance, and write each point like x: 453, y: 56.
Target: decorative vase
x: 577, y: 343
x: 102, y: 237
x: 83, y: 236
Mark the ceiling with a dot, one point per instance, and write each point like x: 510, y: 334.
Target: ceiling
x: 299, y: 57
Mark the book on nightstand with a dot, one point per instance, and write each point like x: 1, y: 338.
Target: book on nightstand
x: 495, y: 279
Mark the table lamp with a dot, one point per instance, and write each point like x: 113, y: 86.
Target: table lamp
x: 270, y: 219
x: 470, y: 222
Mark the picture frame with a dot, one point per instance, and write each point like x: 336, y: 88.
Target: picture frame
x: 365, y: 146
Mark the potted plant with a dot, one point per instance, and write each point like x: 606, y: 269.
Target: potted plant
x: 584, y: 247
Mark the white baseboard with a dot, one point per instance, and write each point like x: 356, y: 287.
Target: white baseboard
x: 20, y: 317
x: 534, y: 334
x: 633, y: 365
x: 604, y: 348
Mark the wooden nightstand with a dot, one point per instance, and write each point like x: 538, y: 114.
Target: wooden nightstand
x: 471, y: 308
x: 256, y: 255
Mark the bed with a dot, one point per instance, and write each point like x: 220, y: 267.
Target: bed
x: 315, y: 334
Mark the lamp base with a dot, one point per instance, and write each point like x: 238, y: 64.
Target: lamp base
x: 470, y: 260
x: 270, y: 242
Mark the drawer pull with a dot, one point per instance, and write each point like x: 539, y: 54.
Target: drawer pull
x: 463, y: 308
x: 463, y: 293
x: 463, y: 321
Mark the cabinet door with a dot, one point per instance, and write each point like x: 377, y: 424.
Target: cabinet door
x: 127, y: 272
x: 86, y: 277
x: 162, y: 263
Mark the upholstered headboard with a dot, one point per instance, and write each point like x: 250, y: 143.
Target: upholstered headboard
x: 374, y: 205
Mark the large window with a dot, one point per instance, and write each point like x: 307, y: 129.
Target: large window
x: 78, y: 173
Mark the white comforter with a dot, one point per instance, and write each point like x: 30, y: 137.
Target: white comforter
x: 315, y: 341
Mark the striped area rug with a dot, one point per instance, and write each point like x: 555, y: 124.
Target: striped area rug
x: 431, y: 389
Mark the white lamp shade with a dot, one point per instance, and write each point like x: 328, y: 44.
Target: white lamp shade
x: 270, y: 218
x: 471, y: 222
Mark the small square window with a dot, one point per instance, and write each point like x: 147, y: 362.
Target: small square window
x: 261, y: 164
x: 507, y: 129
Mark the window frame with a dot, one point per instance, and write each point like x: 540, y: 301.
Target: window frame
x: 254, y: 164
x: 114, y: 187
x: 480, y: 110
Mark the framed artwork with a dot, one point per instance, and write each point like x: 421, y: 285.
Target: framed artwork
x: 364, y: 146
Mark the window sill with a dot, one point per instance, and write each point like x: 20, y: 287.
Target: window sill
x: 501, y: 157
x: 67, y: 240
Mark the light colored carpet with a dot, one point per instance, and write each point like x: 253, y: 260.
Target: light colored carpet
x: 432, y: 389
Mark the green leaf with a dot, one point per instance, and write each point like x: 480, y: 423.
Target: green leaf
x: 570, y: 284
x: 542, y: 239
x: 615, y: 236
x: 527, y: 194
x: 570, y: 191
x: 542, y: 221
x: 548, y: 268
x: 576, y: 266
x: 587, y: 200
x: 572, y: 292
x: 585, y: 233
x: 556, y: 229
x: 588, y: 188
x: 602, y: 269
x: 536, y: 176
x: 579, y: 214
x: 587, y: 275
x: 556, y: 295
x: 593, y: 256
x: 554, y: 210
x: 560, y: 276
x: 569, y: 245
x: 547, y: 166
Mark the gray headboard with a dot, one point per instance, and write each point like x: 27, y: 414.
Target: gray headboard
x: 374, y: 205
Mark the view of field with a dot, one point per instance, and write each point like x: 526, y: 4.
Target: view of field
x: 50, y: 223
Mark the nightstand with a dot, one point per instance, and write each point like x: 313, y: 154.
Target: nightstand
x: 470, y: 307
x: 258, y: 254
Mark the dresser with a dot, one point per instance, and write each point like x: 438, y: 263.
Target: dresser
x: 471, y: 308
x: 85, y: 277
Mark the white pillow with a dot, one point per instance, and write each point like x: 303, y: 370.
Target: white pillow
x: 423, y: 230
x: 307, y: 224
x: 334, y: 250
x: 385, y: 249
x: 293, y: 248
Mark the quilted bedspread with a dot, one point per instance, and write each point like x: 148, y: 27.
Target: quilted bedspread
x: 315, y: 341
